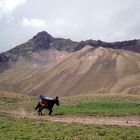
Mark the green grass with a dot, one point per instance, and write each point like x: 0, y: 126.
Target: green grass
x: 25, y: 129
x: 98, y: 104
x: 104, y: 108
x: 104, y: 105
x: 128, y: 98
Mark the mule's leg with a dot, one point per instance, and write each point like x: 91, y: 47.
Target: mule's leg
x: 38, y: 105
x: 39, y: 112
x: 40, y: 109
x: 50, y: 111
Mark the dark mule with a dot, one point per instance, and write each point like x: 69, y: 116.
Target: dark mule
x: 48, y: 103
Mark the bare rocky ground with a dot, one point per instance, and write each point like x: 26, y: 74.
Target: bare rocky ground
x: 92, y: 120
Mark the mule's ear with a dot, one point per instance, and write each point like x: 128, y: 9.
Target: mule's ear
x: 56, y: 97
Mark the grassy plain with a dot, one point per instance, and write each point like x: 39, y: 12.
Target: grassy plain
x: 28, y: 129
x: 100, y: 105
x: 100, y: 108
x: 16, y: 128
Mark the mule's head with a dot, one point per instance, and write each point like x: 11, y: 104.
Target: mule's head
x: 57, y: 101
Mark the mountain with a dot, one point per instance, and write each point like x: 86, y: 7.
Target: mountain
x: 42, y: 42
x: 42, y: 49
x: 96, y: 70
x: 131, y: 45
x: 57, y: 66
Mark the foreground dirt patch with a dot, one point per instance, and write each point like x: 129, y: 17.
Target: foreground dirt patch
x: 120, y: 121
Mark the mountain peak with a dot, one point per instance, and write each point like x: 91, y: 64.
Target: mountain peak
x: 43, y: 40
x: 43, y: 33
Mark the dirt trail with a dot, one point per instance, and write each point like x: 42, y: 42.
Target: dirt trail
x: 120, y: 121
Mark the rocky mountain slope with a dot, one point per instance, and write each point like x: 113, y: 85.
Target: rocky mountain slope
x: 56, y: 66
x: 42, y: 49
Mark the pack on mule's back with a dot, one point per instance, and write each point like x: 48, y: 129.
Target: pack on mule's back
x: 45, y: 97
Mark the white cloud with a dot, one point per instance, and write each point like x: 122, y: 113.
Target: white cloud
x: 33, y: 22
x: 108, y: 20
x: 8, y: 6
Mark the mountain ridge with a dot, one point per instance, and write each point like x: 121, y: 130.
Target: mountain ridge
x: 44, y: 40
